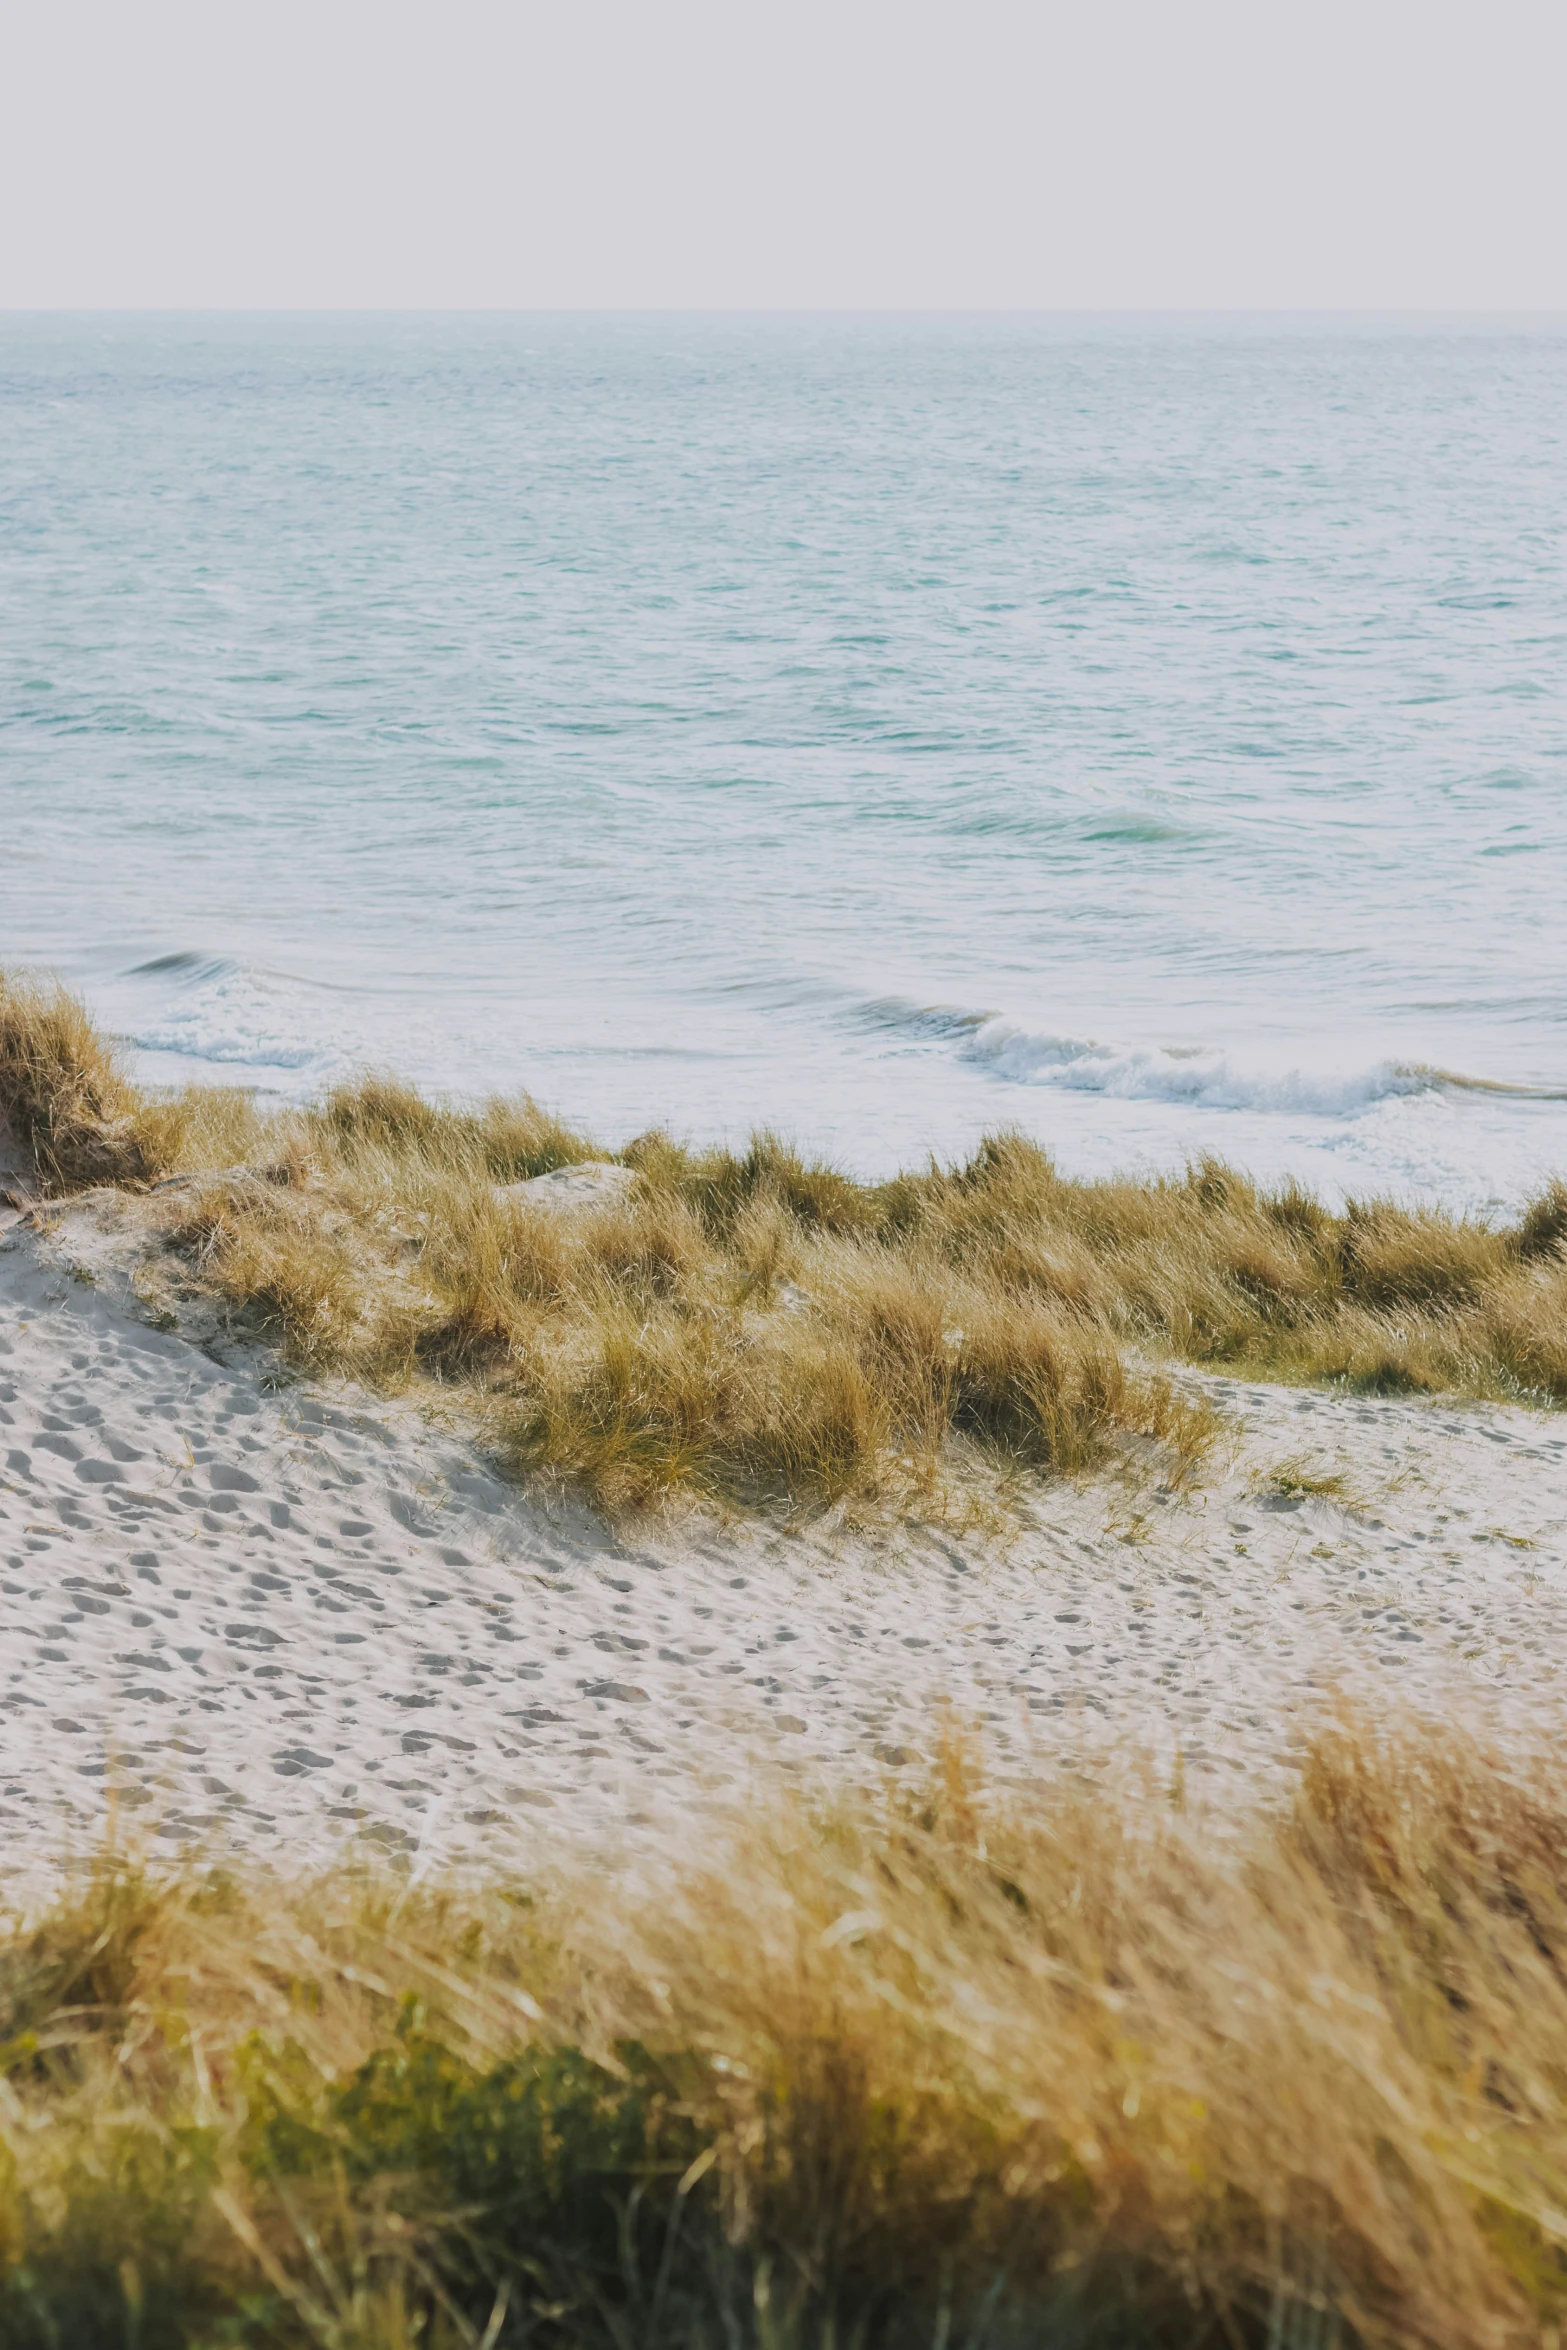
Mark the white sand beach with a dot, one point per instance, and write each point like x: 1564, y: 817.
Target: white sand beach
x: 247, y: 1614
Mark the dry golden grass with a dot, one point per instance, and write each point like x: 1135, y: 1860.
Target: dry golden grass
x: 750, y: 1324
x: 955, y: 2069
x: 61, y: 1092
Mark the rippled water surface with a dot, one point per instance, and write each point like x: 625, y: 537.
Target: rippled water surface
x: 1153, y: 734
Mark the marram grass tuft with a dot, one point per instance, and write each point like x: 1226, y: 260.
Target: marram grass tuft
x: 754, y: 1324
x: 962, y: 2065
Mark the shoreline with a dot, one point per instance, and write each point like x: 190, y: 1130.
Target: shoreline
x: 882, y: 1082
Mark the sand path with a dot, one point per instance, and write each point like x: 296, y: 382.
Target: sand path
x: 253, y: 1615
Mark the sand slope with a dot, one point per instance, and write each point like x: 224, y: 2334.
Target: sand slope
x: 252, y: 1615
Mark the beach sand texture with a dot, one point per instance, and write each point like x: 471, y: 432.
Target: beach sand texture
x: 245, y: 1614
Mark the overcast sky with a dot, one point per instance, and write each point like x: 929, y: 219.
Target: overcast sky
x: 784, y: 153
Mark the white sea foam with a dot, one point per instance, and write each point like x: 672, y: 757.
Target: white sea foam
x: 1208, y: 1078
x: 214, y: 1010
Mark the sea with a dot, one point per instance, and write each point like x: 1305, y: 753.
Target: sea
x: 1149, y: 733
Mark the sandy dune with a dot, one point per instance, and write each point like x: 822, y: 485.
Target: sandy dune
x: 253, y: 1615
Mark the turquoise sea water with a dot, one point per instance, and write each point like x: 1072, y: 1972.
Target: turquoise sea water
x: 1152, y: 733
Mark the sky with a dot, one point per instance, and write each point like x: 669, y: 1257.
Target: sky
x: 784, y: 154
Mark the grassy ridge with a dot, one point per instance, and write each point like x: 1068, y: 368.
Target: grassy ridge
x: 1046, y: 2070
x: 754, y: 1323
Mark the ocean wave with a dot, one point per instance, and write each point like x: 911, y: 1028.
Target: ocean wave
x: 232, y: 1014
x: 1185, y: 1076
x: 931, y: 1023
x: 187, y: 964
x: 1208, y: 1077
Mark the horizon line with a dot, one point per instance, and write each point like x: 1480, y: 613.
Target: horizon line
x: 1102, y: 310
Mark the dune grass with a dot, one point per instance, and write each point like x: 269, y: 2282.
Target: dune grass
x: 960, y: 2068
x: 755, y: 1323
x: 62, y: 1092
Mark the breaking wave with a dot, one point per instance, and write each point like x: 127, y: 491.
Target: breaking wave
x: 232, y: 1013
x: 1211, y: 1077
